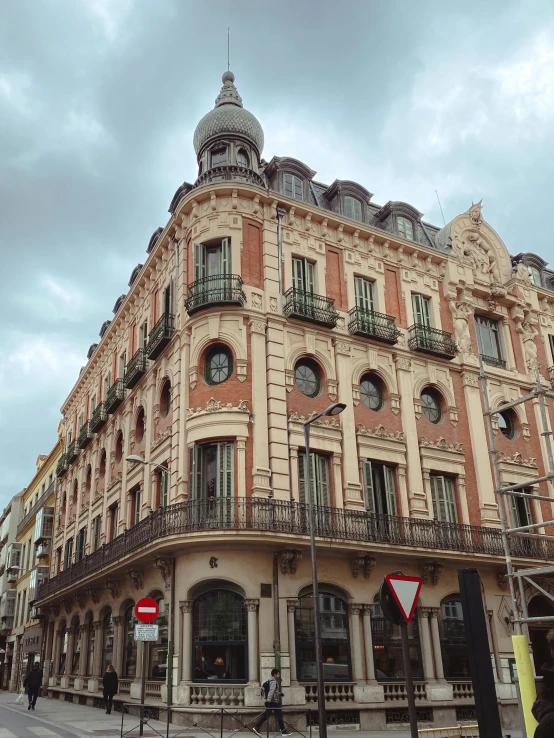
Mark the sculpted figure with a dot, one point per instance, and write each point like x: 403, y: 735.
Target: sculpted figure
x: 461, y: 311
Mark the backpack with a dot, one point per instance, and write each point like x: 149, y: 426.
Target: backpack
x: 264, y: 689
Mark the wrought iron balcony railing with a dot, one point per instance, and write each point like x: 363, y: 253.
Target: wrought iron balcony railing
x: 307, y: 306
x: 432, y: 341
x: 494, y: 361
x: 115, y: 396
x: 285, y: 516
x: 62, y: 466
x: 368, y: 323
x: 99, y: 417
x: 222, y: 289
x: 135, y: 369
x: 72, y: 452
x: 160, y: 336
x: 85, y: 436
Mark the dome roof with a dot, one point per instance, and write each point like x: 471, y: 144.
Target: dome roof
x: 228, y: 117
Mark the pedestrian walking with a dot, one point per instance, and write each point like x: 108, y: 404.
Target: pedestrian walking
x: 110, y: 685
x: 33, y: 683
x: 271, y: 692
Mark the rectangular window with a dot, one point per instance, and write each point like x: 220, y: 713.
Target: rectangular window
x: 212, y: 260
x: 114, y: 520
x: 135, y: 506
x: 68, y: 554
x: 122, y: 364
x: 363, y: 290
x: 211, y: 471
x: 80, y: 544
x: 444, y: 499
x: 521, y: 510
x: 551, y: 344
x: 58, y: 560
x: 93, y: 404
x: 29, y: 546
x: 488, y: 340
x: 321, y: 491
x: 23, y: 557
x: 422, y: 310
x: 294, y: 187
x: 107, y: 383
x: 96, y: 532
x: 168, y: 293
x: 144, y: 334
x: 43, y: 488
x: 17, y: 608
x: 23, y: 610
x: 163, y: 480
x: 405, y: 228
x: 303, y: 275
x: 379, y: 489
x: 219, y: 157
x: 50, y: 479
x: 353, y: 208
x: 81, y: 421
x: 534, y: 276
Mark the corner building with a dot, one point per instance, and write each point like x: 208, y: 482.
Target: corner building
x: 266, y: 297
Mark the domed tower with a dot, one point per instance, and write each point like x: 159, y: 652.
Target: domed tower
x: 229, y: 140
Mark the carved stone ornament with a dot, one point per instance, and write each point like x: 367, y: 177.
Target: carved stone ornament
x: 431, y: 571
x: 136, y: 577
x: 162, y: 435
x: 292, y: 605
x: 470, y: 379
x: 329, y: 423
x: 403, y: 362
x: 502, y: 579
x: 164, y: 564
x: 186, y: 605
x: 273, y: 304
x: 113, y: 586
x: 56, y: 610
x: 257, y: 326
x: 341, y: 347
x: 213, y: 406
x: 462, y: 309
x: 93, y: 594
x: 441, y: 444
x: 289, y: 559
x: 380, y: 432
x: 518, y: 459
x: 256, y: 300
x: 362, y: 562
x: 252, y: 605
x: 475, y: 213
x: 80, y: 600
x: 528, y: 333
x: 66, y: 604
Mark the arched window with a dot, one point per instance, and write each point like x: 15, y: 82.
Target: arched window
x: 119, y: 448
x: 507, y: 424
x: 218, y: 157
x: 453, y: 639
x: 294, y: 187
x: 63, y: 650
x: 352, y: 208
x: 405, y: 228
x: 129, y: 668
x: 387, y: 647
x: 108, y: 634
x: 90, y: 645
x: 157, y: 662
x: 431, y: 405
x: 77, y: 645
x: 165, y: 399
x: 371, y: 392
x: 218, y: 366
x: 88, y: 481
x: 220, y: 637
x: 307, y: 377
x: 103, y: 463
x: 335, y: 642
x: 75, y: 497
x: 242, y: 158
x: 139, y: 426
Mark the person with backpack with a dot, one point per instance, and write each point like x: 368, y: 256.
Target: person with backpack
x: 33, y: 683
x: 271, y: 692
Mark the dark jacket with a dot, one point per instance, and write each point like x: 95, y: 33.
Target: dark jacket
x: 274, y: 692
x: 543, y: 711
x: 110, y: 682
x: 33, y: 679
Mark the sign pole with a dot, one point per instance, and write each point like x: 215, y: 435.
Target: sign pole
x: 409, y: 680
x: 143, y: 686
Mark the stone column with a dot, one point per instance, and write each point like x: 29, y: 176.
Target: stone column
x: 261, y: 471
x: 368, y: 644
x: 291, y: 608
x: 186, y: 609
x: 56, y: 655
x: 252, y: 608
x: 118, y: 642
x: 49, y: 641
x: 94, y: 681
x: 427, y: 652
x: 136, y: 683
x: 353, y: 493
x: 417, y: 499
x: 440, y: 690
x: 68, y: 657
x: 83, y: 629
x: 355, y: 643
x: 241, y: 466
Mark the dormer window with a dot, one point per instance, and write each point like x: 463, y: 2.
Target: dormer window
x: 534, y: 276
x: 219, y: 157
x: 405, y: 228
x: 294, y: 187
x: 352, y: 208
x: 242, y: 158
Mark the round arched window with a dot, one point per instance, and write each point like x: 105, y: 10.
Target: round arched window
x: 242, y: 158
x: 165, y: 399
x: 371, y: 392
x: 88, y: 482
x: 506, y: 425
x: 219, y: 365
x: 119, y: 448
x: 129, y: 667
x: 307, y: 377
x: 220, y: 637
x: 431, y: 405
x: 139, y: 429
x: 453, y: 639
x: 103, y: 462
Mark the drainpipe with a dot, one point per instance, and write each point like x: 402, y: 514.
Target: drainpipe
x: 276, y: 621
x: 280, y: 212
x: 171, y: 634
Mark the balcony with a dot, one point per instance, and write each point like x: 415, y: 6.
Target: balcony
x: 223, y: 289
x: 43, y: 549
x: 374, y: 325
x: 432, y: 341
x: 289, y: 517
x: 160, y: 336
x: 494, y: 361
x: 62, y: 466
x: 135, y: 369
x: 72, y: 452
x: 115, y: 396
x: 12, y: 575
x: 6, y: 622
x: 37, y: 506
x: 307, y: 306
x: 85, y: 436
x: 99, y: 417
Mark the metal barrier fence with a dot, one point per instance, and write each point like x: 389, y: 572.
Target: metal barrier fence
x: 458, y: 731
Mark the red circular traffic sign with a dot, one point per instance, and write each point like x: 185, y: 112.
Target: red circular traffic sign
x: 147, y: 610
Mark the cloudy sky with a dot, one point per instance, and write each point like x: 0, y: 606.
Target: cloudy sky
x: 99, y: 100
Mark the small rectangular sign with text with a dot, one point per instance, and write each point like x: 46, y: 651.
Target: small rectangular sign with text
x: 146, y: 632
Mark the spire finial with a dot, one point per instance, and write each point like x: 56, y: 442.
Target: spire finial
x: 228, y: 52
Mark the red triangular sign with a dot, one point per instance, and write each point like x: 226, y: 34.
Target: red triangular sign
x: 405, y: 591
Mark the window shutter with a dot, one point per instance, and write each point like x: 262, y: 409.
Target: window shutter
x: 199, y: 261
x: 450, y: 500
x: 297, y: 274
x: 225, y: 468
x: 421, y: 310
x: 163, y: 489
x: 369, y: 492
x: 322, y: 495
x: 516, y: 520
x: 310, y: 276
x: 437, y: 493
x: 302, y: 476
x: 390, y: 490
x: 225, y: 256
x: 194, y: 472
x: 529, y: 516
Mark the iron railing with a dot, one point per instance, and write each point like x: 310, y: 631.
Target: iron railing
x: 160, y: 336
x: 494, y: 361
x: 36, y: 507
x: 221, y: 289
x: 85, y: 436
x: 72, y: 452
x: 373, y: 325
x: 99, y: 417
x: 308, y: 306
x: 135, y: 369
x: 62, y: 465
x: 287, y: 516
x: 432, y: 341
x: 115, y: 396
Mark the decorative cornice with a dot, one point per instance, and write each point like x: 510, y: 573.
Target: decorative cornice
x: 289, y: 559
x: 381, y: 432
x: 431, y: 571
x: 442, y: 444
x: 517, y: 459
x: 252, y: 605
x: 296, y: 418
x: 292, y: 605
x: 213, y: 406
x: 186, y: 606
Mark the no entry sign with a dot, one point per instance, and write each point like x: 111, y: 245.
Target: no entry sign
x: 147, y: 610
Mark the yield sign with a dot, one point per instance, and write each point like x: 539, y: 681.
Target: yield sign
x: 405, y: 591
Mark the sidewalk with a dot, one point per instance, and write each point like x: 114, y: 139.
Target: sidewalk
x: 92, y: 722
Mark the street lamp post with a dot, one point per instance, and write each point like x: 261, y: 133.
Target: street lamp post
x: 334, y: 409
x: 164, y: 470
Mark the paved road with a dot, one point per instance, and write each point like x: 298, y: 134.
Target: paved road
x: 17, y: 722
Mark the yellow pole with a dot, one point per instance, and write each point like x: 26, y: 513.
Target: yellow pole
x: 526, y: 680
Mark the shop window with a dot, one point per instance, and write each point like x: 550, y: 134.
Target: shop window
x: 129, y: 667
x: 108, y: 632
x: 387, y: 647
x: 453, y: 640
